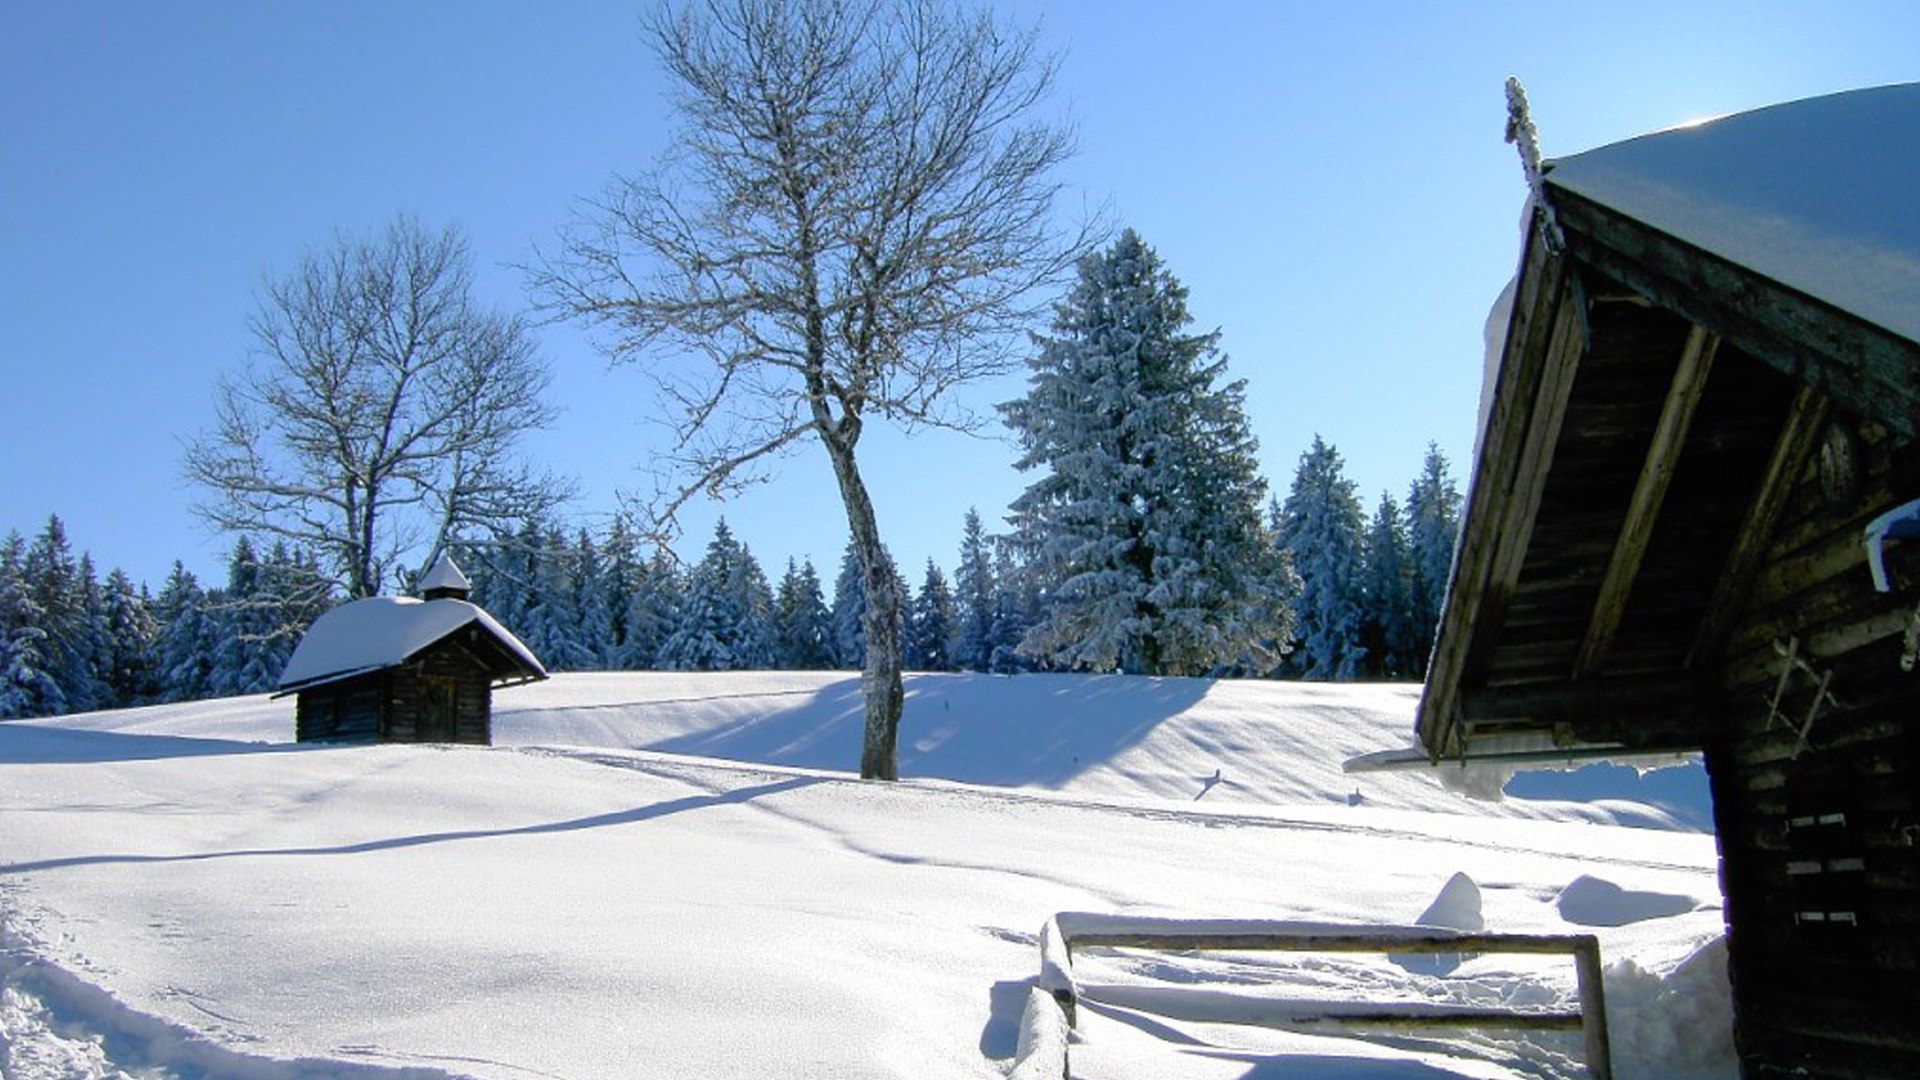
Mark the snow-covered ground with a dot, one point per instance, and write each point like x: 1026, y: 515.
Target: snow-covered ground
x: 671, y: 875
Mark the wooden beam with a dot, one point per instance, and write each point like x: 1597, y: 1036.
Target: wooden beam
x: 1870, y: 371
x: 1640, y: 714
x: 1649, y: 492
x: 1800, y: 433
x: 1545, y: 340
x: 1641, y: 696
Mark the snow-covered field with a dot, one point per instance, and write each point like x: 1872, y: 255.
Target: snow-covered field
x: 670, y: 875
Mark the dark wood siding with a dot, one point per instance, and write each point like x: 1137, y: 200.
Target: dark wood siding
x: 443, y: 695
x: 345, y: 711
x: 1815, y: 794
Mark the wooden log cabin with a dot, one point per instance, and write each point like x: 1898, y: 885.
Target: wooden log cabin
x: 1708, y: 393
x: 399, y: 669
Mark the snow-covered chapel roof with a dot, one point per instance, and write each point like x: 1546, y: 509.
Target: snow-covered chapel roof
x: 386, y: 631
x: 444, y: 576
x: 1818, y: 195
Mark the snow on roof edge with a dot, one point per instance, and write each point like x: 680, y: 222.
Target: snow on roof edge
x: 1814, y: 194
x: 444, y: 574
x: 380, y: 632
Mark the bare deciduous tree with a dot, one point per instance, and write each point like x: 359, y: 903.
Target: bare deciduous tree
x: 854, y: 219
x: 378, y: 415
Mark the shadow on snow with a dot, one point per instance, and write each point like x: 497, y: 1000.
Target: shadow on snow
x: 32, y: 744
x: 960, y: 727
x: 596, y: 821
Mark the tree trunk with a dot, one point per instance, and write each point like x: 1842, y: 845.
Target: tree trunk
x: 881, y: 681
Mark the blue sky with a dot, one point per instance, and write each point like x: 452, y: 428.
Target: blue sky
x: 1328, y: 180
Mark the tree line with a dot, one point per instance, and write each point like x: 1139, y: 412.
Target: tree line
x: 71, y: 641
x: 1365, y: 594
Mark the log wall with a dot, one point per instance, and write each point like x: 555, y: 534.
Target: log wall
x: 446, y: 695
x: 1815, y: 790
x: 347, y: 711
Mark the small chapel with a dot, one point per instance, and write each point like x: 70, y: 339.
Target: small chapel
x: 405, y: 669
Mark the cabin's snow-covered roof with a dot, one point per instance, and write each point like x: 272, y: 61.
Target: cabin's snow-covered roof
x: 444, y: 574
x: 385, y: 631
x: 1818, y: 195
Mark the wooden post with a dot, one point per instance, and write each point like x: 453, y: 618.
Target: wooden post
x: 1593, y: 1007
x: 1649, y: 492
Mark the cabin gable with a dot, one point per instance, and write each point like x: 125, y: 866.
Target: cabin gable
x: 1663, y: 549
x: 395, y: 669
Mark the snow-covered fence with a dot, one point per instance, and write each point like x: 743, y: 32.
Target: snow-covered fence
x: 1070, y: 930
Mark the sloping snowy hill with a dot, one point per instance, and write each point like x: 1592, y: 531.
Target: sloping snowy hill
x: 1215, y: 741
x: 184, y: 894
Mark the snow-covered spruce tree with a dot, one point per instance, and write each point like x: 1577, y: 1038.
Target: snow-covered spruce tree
x: 621, y: 574
x: 1016, y: 607
x: 849, y: 612
x: 1321, y: 525
x: 268, y: 603
x: 27, y: 686
x: 1388, y: 591
x: 94, y: 641
x: 803, y: 623
x: 653, y: 612
x: 236, y: 611
x: 504, y: 570
x: 593, y: 589
x: 70, y: 647
x: 1433, y: 527
x: 851, y: 608
x: 552, y: 624
x: 973, y: 598
x: 727, y: 624
x: 188, y: 638
x: 132, y: 638
x: 1144, y: 526
x: 930, y: 630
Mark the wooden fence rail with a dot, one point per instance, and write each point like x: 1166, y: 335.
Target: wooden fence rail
x: 1071, y: 930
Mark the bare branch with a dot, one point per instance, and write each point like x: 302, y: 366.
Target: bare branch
x: 856, y: 218
x: 379, y: 411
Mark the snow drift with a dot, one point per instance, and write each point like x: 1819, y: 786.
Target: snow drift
x: 187, y: 894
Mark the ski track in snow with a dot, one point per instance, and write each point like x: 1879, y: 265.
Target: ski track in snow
x: 693, y: 772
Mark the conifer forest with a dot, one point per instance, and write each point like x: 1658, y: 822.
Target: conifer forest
x: 1146, y: 542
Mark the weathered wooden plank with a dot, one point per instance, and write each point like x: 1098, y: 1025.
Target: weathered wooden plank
x: 1591, y: 1018
x: 1649, y: 493
x: 1525, y: 394
x: 1799, y: 434
x: 1871, y: 371
x: 1839, y: 555
x: 1828, y: 628
x: 1586, y: 699
x: 1889, y: 480
x: 1358, y: 941
x: 1504, y: 502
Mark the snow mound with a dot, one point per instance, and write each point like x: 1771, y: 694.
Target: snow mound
x: 1591, y: 901
x: 1678, y: 1026
x: 1457, y: 907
